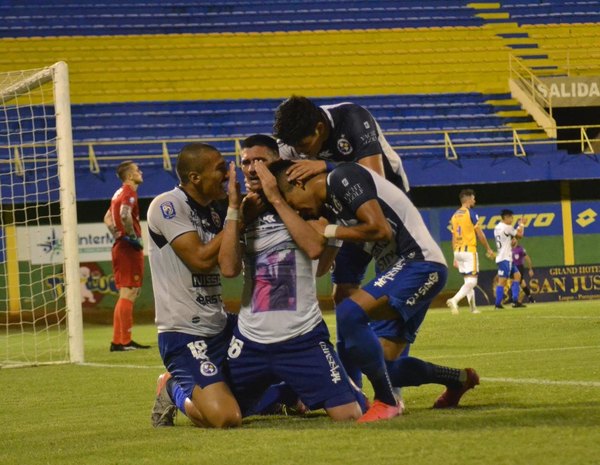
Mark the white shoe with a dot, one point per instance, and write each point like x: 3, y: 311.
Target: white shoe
x: 475, y: 311
x: 452, y: 305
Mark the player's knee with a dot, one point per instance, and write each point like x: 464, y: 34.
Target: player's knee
x: 230, y: 419
x: 347, y: 412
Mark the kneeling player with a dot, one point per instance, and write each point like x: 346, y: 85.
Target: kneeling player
x: 281, y: 335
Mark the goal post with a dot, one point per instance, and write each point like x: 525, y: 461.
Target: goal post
x: 40, y: 297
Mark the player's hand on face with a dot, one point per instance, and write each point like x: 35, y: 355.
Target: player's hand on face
x: 303, y: 170
x: 268, y: 182
x: 319, y: 225
x: 252, y: 206
x: 233, y: 187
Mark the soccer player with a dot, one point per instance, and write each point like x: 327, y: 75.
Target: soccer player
x: 372, y: 211
x: 520, y: 258
x: 123, y: 221
x: 465, y: 232
x: 185, y: 226
x: 324, y: 137
x: 281, y: 335
x: 504, y: 232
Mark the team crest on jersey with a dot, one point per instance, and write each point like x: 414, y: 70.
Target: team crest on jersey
x: 168, y: 210
x: 344, y: 146
x: 208, y: 369
x: 216, y: 218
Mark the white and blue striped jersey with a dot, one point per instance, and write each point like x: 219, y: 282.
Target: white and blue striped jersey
x: 350, y: 185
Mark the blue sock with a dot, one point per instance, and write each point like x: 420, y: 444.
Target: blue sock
x: 411, y: 371
x: 280, y: 393
x: 499, y: 295
x: 364, y: 348
x: 515, y: 288
x: 350, y: 366
x: 177, y: 394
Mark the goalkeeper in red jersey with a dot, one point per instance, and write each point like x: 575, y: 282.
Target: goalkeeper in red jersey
x: 123, y: 221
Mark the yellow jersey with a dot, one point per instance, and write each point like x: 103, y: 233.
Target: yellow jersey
x: 463, y: 223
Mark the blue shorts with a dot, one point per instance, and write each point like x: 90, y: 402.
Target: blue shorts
x: 307, y: 363
x: 351, y: 264
x: 194, y: 360
x: 506, y: 268
x: 410, y: 287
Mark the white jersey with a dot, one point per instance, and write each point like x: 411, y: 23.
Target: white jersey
x: 185, y: 301
x: 279, y: 300
x: 503, y: 234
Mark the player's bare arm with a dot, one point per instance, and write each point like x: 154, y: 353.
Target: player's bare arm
x: 108, y: 221
x: 306, y: 236
x: 230, y: 252
x: 127, y: 219
x: 303, y: 170
x: 488, y: 250
x: 372, y: 226
x: 196, y: 255
x: 374, y: 162
x: 529, y: 264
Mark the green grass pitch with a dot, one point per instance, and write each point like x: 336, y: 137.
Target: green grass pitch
x: 538, y: 403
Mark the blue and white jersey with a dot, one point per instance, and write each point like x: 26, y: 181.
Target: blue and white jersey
x: 354, y: 135
x: 279, y: 300
x: 185, y: 301
x: 503, y: 234
x: 350, y: 185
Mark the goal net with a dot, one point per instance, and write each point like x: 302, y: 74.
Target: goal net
x: 40, y: 304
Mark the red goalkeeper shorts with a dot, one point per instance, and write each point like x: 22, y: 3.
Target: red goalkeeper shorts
x: 128, y: 265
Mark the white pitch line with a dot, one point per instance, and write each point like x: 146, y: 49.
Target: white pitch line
x: 549, y: 317
x: 114, y: 365
x: 542, y: 382
x: 505, y: 352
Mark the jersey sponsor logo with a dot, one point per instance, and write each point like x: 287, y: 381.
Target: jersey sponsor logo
x: 208, y: 369
x: 205, y: 280
x: 353, y: 193
x: 168, y: 210
x: 334, y: 367
x: 424, y: 289
x: 366, y: 124
x: 369, y: 138
x: 208, y: 299
x: 131, y: 200
x: 344, y: 146
x: 390, y: 274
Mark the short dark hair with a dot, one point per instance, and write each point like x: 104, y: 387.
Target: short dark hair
x: 295, y: 119
x: 191, y: 158
x: 278, y: 169
x: 261, y: 140
x: 506, y: 212
x: 465, y: 193
x: 123, y: 169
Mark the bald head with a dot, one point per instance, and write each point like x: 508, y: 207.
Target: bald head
x: 194, y: 157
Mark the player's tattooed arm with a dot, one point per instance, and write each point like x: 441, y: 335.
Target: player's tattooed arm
x: 127, y: 219
x: 108, y: 221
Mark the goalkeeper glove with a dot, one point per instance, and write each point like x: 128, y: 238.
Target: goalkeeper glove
x: 134, y: 241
